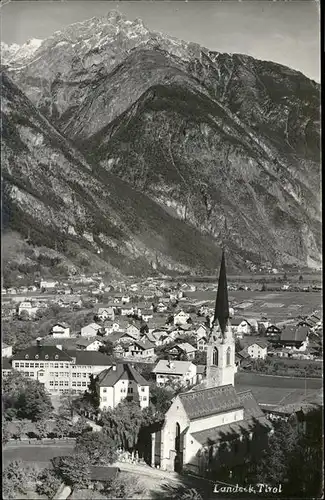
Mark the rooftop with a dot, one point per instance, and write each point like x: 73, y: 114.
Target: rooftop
x: 186, y: 347
x: 5, y: 364
x: 172, y: 367
x: 120, y: 371
x: 42, y: 353
x: 292, y: 333
x: 253, y: 416
x: 93, y: 358
x: 206, y: 402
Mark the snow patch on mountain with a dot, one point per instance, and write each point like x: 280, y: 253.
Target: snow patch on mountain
x: 19, y: 54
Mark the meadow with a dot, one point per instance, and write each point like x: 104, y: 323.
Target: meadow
x: 276, y: 306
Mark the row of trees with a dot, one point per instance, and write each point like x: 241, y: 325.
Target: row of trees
x: 276, y: 366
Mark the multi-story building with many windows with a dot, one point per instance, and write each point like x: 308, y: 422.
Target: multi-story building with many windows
x: 60, y: 370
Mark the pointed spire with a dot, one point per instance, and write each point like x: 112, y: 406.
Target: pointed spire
x: 221, y: 312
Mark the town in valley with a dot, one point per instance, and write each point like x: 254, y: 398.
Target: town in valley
x: 161, y: 250
x: 97, y: 348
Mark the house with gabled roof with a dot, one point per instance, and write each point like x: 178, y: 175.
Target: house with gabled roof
x: 105, y: 313
x: 181, y: 318
x: 121, y: 381
x: 295, y: 337
x: 180, y: 371
x: 139, y: 349
x: 90, y: 330
x: 202, y: 331
x: 187, y: 349
x: 84, y: 344
x: 60, y: 330
x: 6, y: 350
x: 257, y: 350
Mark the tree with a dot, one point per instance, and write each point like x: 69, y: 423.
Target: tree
x: 68, y: 404
x: 15, y: 477
x: 107, y: 348
x: 81, y: 426
x: 42, y: 429
x: 63, y: 427
x: 73, y: 470
x: 161, y: 398
x: 6, y: 433
x: 261, y: 329
x: 25, y: 398
x: 24, y: 316
x: 92, y: 395
x: 34, y: 404
x: 123, y: 424
x: 293, y: 458
x: 20, y: 429
x: 200, y: 358
x: 98, y: 446
x: 48, y: 483
x: 123, y: 488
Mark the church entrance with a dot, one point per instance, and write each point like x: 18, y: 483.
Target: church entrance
x: 178, y: 461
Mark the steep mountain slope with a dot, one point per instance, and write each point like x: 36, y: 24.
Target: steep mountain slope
x: 52, y: 197
x: 227, y: 144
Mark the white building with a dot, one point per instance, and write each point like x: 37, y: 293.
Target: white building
x: 104, y: 313
x: 181, y: 318
x: 119, y: 382
x: 258, y: 350
x: 180, y: 371
x: 27, y: 308
x: 48, y: 284
x: 6, y: 350
x: 60, y: 330
x: 89, y: 345
x: 90, y: 330
x: 60, y: 370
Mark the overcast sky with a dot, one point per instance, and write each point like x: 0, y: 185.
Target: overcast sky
x: 284, y: 32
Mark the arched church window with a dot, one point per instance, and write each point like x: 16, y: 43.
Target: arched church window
x: 215, y: 357
x: 177, y: 438
x: 228, y: 356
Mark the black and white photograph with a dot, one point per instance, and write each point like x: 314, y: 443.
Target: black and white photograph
x: 161, y: 250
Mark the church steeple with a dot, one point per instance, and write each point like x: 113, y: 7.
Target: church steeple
x: 221, y: 343
x: 221, y: 312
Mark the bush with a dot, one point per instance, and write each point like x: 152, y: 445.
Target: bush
x: 48, y: 483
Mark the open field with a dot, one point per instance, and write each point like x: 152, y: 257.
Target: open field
x: 40, y: 455
x: 272, y: 390
x: 277, y: 306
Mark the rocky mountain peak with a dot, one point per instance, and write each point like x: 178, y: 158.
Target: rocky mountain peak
x: 207, y: 137
x: 15, y: 54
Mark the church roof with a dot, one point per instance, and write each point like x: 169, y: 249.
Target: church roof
x: 253, y: 418
x: 206, y: 402
x: 251, y: 406
x: 226, y: 431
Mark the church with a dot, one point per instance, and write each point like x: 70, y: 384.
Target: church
x: 212, y: 430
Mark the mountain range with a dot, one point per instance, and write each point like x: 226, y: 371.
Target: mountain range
x: 130, y: 150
